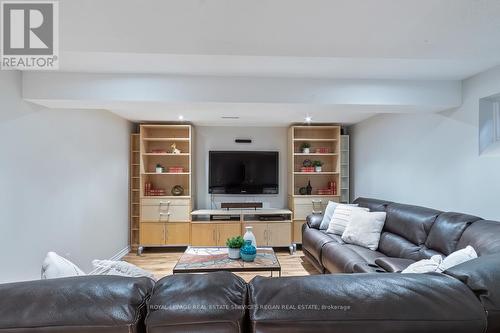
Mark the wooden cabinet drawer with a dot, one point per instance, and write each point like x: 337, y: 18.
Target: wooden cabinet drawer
x: 309, y: 199
x: 305, y: 206
x: 165, y: 213
x: 166, y: 202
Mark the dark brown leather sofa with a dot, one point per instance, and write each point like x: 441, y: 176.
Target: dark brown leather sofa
x: 410, y: 233
x: 464, y: 299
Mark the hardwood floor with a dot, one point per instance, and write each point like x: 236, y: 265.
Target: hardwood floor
x: 162, y: 261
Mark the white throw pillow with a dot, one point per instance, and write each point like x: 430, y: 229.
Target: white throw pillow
x: 364, y: 228
x: 341, y: 218
x: 121, y: 268
x: 327, y: 216
x: 424, y: 266
x: 54, y: 266
x: 457, y: 258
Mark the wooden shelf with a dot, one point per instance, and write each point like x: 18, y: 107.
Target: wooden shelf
x: 314, y: 140
x: 315, y: 173
x: 165, y: 197
x: 165, y: 139
x: 165, y: 154
x: 315, y: 154
x: 316, y: 195
x: 166, y: 173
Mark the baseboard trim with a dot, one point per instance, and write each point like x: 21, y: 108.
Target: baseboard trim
x: 117, y: 256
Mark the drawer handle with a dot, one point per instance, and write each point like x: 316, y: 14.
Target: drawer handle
x: 164, y: 202
x: 316, y: 201
x: 168, y: 214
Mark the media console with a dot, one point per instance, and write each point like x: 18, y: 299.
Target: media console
x: 212, y: 227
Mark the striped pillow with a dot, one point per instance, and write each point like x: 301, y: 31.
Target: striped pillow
x: 341, y: 218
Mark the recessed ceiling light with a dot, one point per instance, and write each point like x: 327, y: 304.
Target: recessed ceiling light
x: 308, y: 119
x: 181, y: 117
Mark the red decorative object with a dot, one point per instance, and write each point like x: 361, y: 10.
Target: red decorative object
x: 307, y: 169
x: 175, y: 169
x: 322, y: 150
x: 149, y: 190
x: 334, y: 187
x: 325, y: 191
x: 158, y: 151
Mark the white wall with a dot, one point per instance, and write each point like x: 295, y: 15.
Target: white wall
x: 222, y: 138
x: 64, y: 179
x: 430, y: 159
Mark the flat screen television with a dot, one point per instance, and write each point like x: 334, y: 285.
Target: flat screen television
x: 243, y: 172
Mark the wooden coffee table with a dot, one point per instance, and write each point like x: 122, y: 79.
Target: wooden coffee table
x: 210, y: 259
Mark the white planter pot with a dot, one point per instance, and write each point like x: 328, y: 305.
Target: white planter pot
x: 233, y: 253
x: 318, y: 169
x: 159, y: 170
x: 306, y: 150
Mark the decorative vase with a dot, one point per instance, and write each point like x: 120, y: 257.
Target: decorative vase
x: 248, y: 252
x: 306, y: 150
x: 233, y: 253
x: 317, y: 169
x: 250, y: 236
x: 177, y: 190
x: 309, y: 188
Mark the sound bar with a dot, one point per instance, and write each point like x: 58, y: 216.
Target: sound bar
x: 240, y: 205
x: 243, y: 140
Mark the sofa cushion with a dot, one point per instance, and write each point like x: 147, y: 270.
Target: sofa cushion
x: 393, y: 265
x: 410, y: 222
x: 338, y: 258
x: 213, y: 302
x: 368, y: 256
x: 447, y: 230
x: 374, y: 205
x: 94, y: 303
x: 483, y: 236
x: 393, y: 245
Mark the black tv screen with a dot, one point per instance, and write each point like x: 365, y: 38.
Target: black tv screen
x: 243, y: 172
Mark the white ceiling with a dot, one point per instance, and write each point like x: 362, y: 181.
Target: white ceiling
x: 291, y: 39
x: 412, y: 39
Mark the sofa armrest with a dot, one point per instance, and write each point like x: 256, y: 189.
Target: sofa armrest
x: 94, y: 303
x: 364, y: 303
x: 314, y: 220
x: 482, y: 276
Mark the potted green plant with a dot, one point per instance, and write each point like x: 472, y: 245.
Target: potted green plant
x: 305, y: 147
x: 234, y: 244
x: 317, y: 165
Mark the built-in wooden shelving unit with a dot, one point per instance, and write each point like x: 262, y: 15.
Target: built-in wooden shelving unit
x: 164, y: 214
x: 324, y: 142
